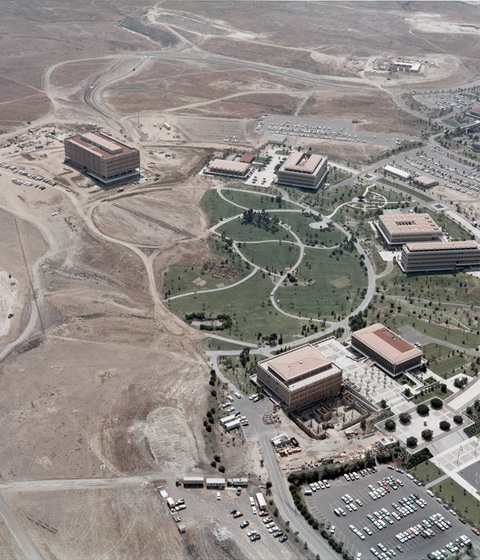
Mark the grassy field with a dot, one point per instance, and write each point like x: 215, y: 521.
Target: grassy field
x: 434, y: 287
x: 233, y: 370
x: 223, y: 268
x: 432, y: 321
x: 248, y: 232
x: 455, y: 231
x: 407, y: 190
x: 217, y: 208
x: 447, y: 368
x: 273, y: 256
x: 300, y: 223
x: 464, y: 503
x: 426, y: 472
x: 445, y: 361
x: 329, y: 285
x: 430, y: 394
x: 257, y: 201
x: 215, y: 344
x: 249, y: 306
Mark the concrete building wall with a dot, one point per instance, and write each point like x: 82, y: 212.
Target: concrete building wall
x: 448, y: 259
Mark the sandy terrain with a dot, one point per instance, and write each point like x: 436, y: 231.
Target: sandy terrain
x: 97, y: 378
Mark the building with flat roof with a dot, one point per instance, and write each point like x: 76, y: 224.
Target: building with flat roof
x: 398, y: 229
x: 446, y: 255
x: 386, y: 349
x: 228, y: 168
x: 303, y: 170
x: 247, y: 157
x: 475, y: 112
x: 405, y: 66
x: 103, y: 158
x: 425, y: 181
x: 396, y: 172
x: 300, y: 377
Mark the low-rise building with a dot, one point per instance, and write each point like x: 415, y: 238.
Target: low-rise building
x: 398, y: 229
x: 425, y: 182
x: 228, y: 168
x: 193, y: 482
x: 303, y: 170
x: 216, y: 483
x: 103, y: 158
x: 391, y: 170
x: 446, y: 255
x: 386, y: 349
x: 300, y: 377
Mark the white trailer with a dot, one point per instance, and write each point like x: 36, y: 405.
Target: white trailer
x: 232, y: 425
x: 227, y: 419
x: 262, y: 504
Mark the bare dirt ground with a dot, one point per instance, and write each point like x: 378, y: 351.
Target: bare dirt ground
x: 97, y: 377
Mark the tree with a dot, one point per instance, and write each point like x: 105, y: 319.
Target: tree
x: 458, y: 419
x: 363, y: 424
x: 436, y: 403
x: 422, y: 409
x: 407, y: 392
x: 412, y: 442
x: 444, y: 425
x: 405, y: 418
x: 383, y: 404
x: 390, y: 425
x: 427, y: 435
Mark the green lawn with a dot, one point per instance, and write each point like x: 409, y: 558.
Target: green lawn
x: 257, y: 201
x: 455, y: 336
x: 464, y: 503
x: 452, y: 287
x: 215, y: 344
x: 447, y: 367
x: 248, y: 232
x: 454, y: 230
x: 233, y: 370
x: 249, y: 306
x: 274, y: 256
x: 223, y: 268
x: 426, y: 472
x: 406, y: 190
x: 430, y: 394
x: 217, y: 208
x: 434, y: 352
x: 329, y: 285
x: 300, y: 223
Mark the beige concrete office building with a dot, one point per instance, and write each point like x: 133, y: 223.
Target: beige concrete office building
x: 447, y: 255
x: 386, y: 349
x: 301, y: 377
x: 398, y: 229
x: 103, y: 158
x: 307, y: 171
x: 228, y: 168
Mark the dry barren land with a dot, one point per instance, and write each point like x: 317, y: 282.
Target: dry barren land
x: 103, y: 391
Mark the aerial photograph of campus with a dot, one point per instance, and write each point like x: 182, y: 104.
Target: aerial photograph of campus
x: 239, y: 280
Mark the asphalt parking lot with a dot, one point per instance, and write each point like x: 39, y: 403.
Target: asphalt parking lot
x: 323, y: 502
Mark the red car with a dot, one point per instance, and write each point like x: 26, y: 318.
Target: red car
x: 475, y: 530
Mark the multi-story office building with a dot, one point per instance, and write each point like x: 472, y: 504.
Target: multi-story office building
x: 300, y: 377
x: 307, y: 171
x: 102, y: 158
x: 447, y: 255
x: 398, y: 229
x: 386, y: 349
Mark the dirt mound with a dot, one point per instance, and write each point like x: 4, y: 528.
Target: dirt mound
x: 170, y: 438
